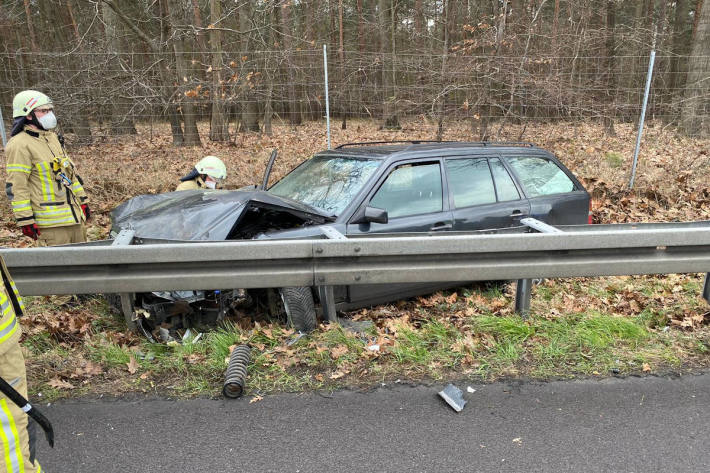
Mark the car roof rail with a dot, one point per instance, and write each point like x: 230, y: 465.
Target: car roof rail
x: 416, y: 142
x: 390, y: 142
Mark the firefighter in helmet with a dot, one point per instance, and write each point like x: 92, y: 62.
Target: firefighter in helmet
x: 208, y: 173
x: 44, y: 189
x: 16, y: 444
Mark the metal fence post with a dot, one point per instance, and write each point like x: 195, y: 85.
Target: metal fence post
x: 2, y: 130
x: 706, y: 288
x: 643, y: 116
x: 327, y: 101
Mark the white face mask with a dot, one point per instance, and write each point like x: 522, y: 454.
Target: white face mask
x: 210, y: 184
x: 48, y: 121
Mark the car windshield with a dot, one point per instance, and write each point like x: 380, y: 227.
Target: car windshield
x: 326, y: 182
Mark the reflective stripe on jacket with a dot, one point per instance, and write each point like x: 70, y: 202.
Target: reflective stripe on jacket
x: 11, y: 306
x: 39, y: 194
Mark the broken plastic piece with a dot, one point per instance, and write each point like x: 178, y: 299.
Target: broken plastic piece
x: 165, y: 335
x: 453, y: 397
x: 296, y: 338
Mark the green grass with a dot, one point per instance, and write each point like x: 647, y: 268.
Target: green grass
x: 614, y: 159
x: 443, y: 341
x: 508, y: 328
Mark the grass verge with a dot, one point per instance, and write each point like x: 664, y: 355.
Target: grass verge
x: 583, y: 327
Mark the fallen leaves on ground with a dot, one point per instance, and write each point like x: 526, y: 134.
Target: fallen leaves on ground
x: 60, y: 384
x: 132, y: 365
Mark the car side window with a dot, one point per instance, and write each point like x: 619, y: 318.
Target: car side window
x: 540, y: 176
x: 410, y: 190
x: 470, y: 181
x: 504, y: 183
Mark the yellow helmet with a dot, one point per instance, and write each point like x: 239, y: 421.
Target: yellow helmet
x: 28, y: 100
x: 212, y: 166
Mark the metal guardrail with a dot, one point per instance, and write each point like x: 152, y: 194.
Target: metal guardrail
x: 579, y: 251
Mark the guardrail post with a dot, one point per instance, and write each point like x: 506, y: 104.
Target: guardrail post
x: 327, y: 302
x: 706, y: 288
x: 325, y: 293
x: 522, y: 297
x: 125, y: 237
x: 524, y: 287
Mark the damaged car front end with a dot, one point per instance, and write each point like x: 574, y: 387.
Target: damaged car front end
x: 206, y: 215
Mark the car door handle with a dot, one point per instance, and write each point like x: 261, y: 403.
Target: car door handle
x: 441, y: 226
x: 517, y: 213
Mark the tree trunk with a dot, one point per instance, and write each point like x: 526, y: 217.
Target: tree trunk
x: 189, y: 117
x: 419, y: 25
x: 341, y: 56
x: 361, y: 27
x: 294, y: 103
x: 680, y: 40
x: 694, y: 117
x: 555, y: 26
x: 120, y: 120
x: 698, y: 11
x: 30, y: 28
x: 250, y: 106
x: 610, y: 67
x: 442, y: 94
x: 389, y: 87
x: 219, y: 127
x: 75, y: 27
x: 201, y: 41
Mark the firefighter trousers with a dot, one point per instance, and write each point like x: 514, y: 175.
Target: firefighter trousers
x: 14, y: 437
x: 51, y: 236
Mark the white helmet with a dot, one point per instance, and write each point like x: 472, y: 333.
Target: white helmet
x: 28, y: 100
x: 212, y: 166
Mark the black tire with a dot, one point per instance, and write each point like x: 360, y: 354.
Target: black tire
x: 300, y: 308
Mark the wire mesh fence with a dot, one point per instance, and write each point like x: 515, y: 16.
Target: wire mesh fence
x: 99, y: 94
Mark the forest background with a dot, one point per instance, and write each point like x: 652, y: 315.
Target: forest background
x: 111, y: 65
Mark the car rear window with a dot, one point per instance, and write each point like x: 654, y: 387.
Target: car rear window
x: 504, y: 183
x: 540, y: 176
x: 471, y: 182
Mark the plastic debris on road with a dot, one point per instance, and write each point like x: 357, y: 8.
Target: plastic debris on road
x: 453, y: 397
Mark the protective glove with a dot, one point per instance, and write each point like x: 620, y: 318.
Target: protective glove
x: 31, y: 230
x: 87, y: 212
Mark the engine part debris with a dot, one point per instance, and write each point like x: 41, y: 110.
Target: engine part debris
x: 236, y: 374
x: 453, y: 397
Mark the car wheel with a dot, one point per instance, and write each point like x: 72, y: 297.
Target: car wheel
x: 300, y: 308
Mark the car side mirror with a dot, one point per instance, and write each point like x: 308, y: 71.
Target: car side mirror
x: 375, y: 215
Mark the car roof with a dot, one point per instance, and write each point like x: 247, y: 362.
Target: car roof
x: 385, y: 150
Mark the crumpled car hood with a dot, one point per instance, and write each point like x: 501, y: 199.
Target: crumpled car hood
x: 201, y: 214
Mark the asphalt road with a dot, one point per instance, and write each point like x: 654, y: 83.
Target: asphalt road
x: 616, y: 425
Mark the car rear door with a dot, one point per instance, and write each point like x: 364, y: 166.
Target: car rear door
x: 555, y: 195
x: 483, y: 195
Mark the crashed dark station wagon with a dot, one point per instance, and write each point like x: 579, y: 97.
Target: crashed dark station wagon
x: 355, y: 189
